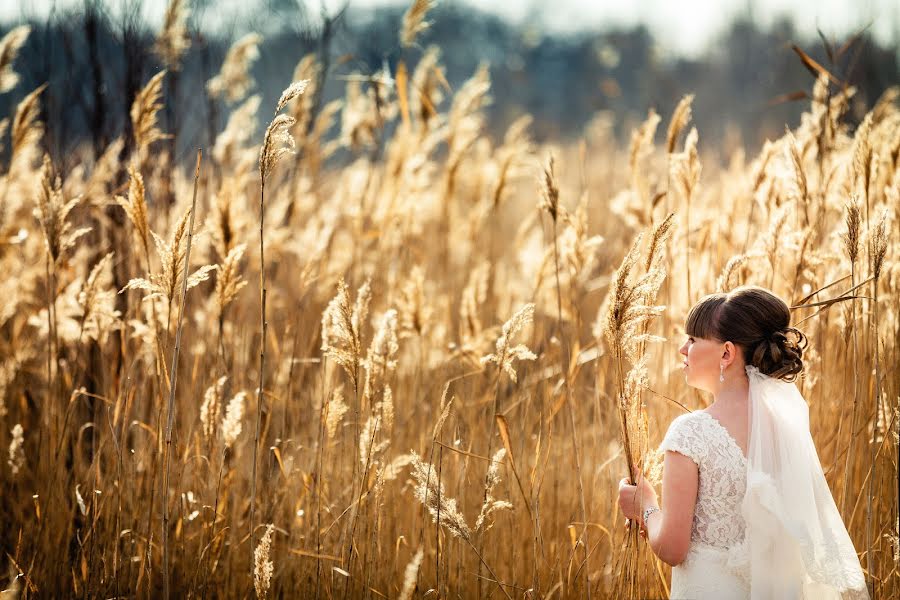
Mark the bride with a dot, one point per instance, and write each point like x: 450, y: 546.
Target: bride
x: 746, y: 510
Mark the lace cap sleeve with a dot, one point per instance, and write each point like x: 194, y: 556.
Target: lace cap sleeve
x: 683, y: 436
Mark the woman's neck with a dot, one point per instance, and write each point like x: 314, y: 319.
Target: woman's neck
x: 733, y: 393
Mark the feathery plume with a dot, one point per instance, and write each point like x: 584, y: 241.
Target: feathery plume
x: 724, y: 281
x: 234, y: 414
x: 143, y: 114
x: 851, y: 237
x: 97, y: 303
x: 263, y: 567
x: 10, y: 45
x: 228, y: 279
x: 680, y: 118
x: 27, y: 128
x: 505, y: 353
x: 234, y: 80
x: 135, y: 206
x: 277, y: 142
x: 52, y: 213
x: 341, y: 328
x: 414, y: 21
x: 335, y: 411
x: 491, y: 504
x: 879, y: 244
x: 16, y: 458
x: 211, y: 409
x: 430, y: 492
x: 411, y: 575
x: 414, y: 310
x: 291, y: 92
x: 549, y: 190
x: 381, y: 359
x: 173, y: 40
x: 165, y: 283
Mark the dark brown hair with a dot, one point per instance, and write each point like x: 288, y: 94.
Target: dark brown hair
x: 758, y: 322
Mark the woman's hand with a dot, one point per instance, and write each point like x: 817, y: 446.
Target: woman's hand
x: 633, y: 499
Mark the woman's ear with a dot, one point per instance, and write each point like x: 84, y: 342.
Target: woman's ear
x: 729, y: 353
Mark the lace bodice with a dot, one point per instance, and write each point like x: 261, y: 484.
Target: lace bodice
x: 723, y: 477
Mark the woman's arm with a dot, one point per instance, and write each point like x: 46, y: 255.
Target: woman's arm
x: 668, y: 531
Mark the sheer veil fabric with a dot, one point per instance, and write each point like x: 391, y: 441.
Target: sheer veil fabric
x: 797, y: 544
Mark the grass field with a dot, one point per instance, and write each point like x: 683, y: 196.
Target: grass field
x: 453, y: 337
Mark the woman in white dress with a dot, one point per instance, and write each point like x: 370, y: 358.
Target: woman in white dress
x: 746, y: 510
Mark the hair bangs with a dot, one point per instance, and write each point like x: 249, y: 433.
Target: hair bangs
x: 702, y: 320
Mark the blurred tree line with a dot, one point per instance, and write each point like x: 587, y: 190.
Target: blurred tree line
x: 747, y: 86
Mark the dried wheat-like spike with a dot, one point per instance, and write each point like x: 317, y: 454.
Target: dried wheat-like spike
x: 680, y: 118
x: 10, y: 45
x: 234, y: 80
x: 506, y: 354
x: 173, y: 40
x: 862, y: 157
x: 879, y: 244
x: 143, y: 113
x: 549, y: 190
x: 263, y: 567
x: 414, y: 21
x: 797, y: 163
x: 724, y: 282
x: 851, y: 238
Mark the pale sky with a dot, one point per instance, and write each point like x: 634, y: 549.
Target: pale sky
x: 683, y: 26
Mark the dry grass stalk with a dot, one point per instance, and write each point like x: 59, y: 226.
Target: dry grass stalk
x: 506, y: 353
x: 269, y: 155
x: 170, y: 411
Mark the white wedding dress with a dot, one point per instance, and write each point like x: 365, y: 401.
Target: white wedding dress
x: 716, y: 565
x: 778, y: 537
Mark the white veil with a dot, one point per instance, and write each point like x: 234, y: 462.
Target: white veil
x: 798, y: 544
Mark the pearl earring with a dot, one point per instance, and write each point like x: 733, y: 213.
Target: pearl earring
x: 722, y: 373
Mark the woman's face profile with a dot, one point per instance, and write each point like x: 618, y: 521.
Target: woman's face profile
x: 701, y: 362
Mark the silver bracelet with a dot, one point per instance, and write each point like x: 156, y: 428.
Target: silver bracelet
x: 649, y: 512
